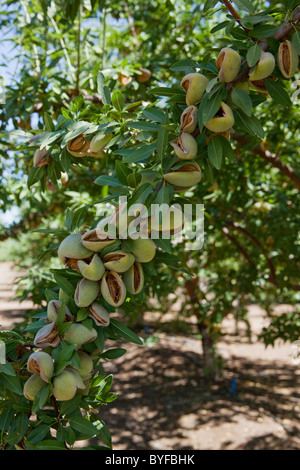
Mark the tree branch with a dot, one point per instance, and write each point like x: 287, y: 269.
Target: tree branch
x: 257, y: 243
x: 236, y: 243
x: 234, y: 13
x: 271, y: 158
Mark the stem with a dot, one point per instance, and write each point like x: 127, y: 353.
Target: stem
x: 78, y: 49
x: 35, y: 49
x: 103, y: 38
x: 234, y: 13
x: 63, y: 45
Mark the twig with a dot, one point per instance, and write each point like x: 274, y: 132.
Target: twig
x: 78, y: 49
x: 63, y: 45
x: 35, y: 49
x: 234, y: 13
x: 103, y: 37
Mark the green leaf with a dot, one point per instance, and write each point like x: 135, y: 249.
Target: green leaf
x: 165, y: 91
x: 183, y: 65
x: 105, y: 180
x: 6, y: 417
x: 253, y: 55
x: 61, y: 314
x: 12, y: 383
x: 113, y: 353
x: 245, y: 5
x: 50, y: 444
x: 82, y: 314
x: 296, y: 41
x: 143, y: 126
x: 209, y: 4
x: 242, y: 100
x: 7, y: 369
x: 208, y: 170
x: 140, y: 154
x: 82, y: 425
x: 35, y: 175
x: 64, y: 284
x: 117, y: 100
x: 122, y: 172
x: 277, y: 92
x: 69, y: 406
x: 239, y: 34
x: 41, y: 398
x: 215, y: 152
x: 154, y: 114
x: 219, y: 26
x: 38, y: 433
x: 210, y: 105
x: 77, y: 103
x: 22, y: 422
x: 162, y: 138
x: 141, y: 194
x: 263, y: 31
x: 103, y: 90
x: 122, y: 330
x: 164, y: 244
x: 248, y: 124
x: 227, y: 149
x: 49, y: 125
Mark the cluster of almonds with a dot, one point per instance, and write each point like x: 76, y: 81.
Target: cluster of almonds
x: 229, y: 64
x: 110, y: 277
x: 80, y: 146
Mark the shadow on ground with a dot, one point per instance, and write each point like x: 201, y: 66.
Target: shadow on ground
x: 166, y: 403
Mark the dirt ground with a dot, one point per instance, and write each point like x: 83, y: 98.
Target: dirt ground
x: 166, y: 403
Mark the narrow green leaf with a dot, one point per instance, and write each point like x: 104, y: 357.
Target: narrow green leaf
x: 7, y: 369
x: 143, y: 126
x: 122, y: 172
x: 249, y: 124
x: 245, y: 5
x: 65, y: 285
x: 50, y: 444
x: 154, y: 114
x: 165, y: 91
x: 124, y: 332
x: 12, y: 383
x: 263, y: 31
x: 296, y: 41
x: 113, y: 353
x: 49, y: 124
x: 35, y: 175
x: 162, y: 138
x: 242, y: 100
x: 215, y: 152
x: 211, y: 105
x: 117, y: 100
x: 277, y: 92
x: 253, y: 55
x: 105, y: 180
x: 82, y: 425
x: 227, y: 149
